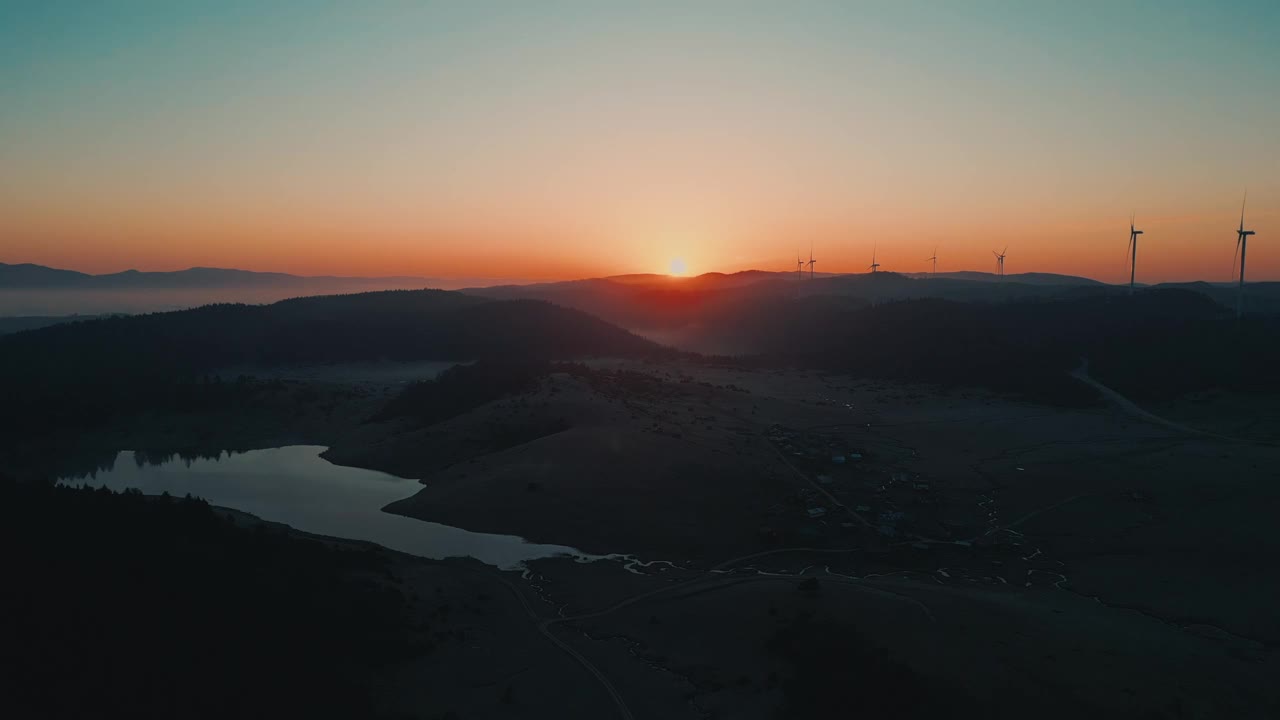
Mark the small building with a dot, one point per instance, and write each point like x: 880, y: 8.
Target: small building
x: 837, y: 459
x: 817, y: 512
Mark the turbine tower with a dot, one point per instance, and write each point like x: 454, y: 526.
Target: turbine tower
x: 1000, y: 261
x: 1242, y: 244
x: 1133, y: 246
x: 934, y: 259
x: 874, y: 266
x: 812, y: 262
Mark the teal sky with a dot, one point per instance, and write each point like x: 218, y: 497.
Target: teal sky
x: 556, y: 139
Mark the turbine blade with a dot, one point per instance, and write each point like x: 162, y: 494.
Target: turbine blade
x: 1234, y: 258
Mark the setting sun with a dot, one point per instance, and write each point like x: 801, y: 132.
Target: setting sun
x: 677, y: 267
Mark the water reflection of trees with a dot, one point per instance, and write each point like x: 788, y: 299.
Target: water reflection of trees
x: 186, y: 455
x: 85, y: 465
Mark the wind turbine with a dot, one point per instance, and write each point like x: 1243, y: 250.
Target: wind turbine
x: 934, y: 259
x: 1242, y: 244
x: 799, y: 266
x: 874, y: 266
x: 1133, y: 245
x: 812, y: 262
x: 1000, y: 260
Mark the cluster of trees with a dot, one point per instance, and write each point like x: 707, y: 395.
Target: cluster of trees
x: 465, y: 387
x: 120, y: 605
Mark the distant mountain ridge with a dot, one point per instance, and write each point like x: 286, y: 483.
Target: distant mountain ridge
x: 28, y: 275
x: 32, y: 276
x: 1029, y: 278
x: 683, y: 311
x: 705, y: 313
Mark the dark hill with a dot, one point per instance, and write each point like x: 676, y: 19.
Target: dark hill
x: 1259, y: 297
x: 18, y: 324
x: 1154, y: 345
x: 86, y: 371
x: 398, y: 325
x: 885, y: 286
x: 148, y: 603
x: 710, y: 312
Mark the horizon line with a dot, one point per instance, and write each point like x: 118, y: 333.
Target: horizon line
x: 501, y: 280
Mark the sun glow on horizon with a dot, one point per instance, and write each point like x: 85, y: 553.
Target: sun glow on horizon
x: 722, y: 142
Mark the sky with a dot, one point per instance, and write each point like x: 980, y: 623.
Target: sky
x: 554, y: 140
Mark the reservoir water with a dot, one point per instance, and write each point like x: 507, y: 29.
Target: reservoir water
x: 295, y: 486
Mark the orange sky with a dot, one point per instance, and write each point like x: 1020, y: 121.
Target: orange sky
x: 1175, y: 246
x: 581, y: 140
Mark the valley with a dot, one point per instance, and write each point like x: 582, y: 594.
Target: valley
x: 958, y: 519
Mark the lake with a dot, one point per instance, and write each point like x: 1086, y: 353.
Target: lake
x: 295, y: 486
